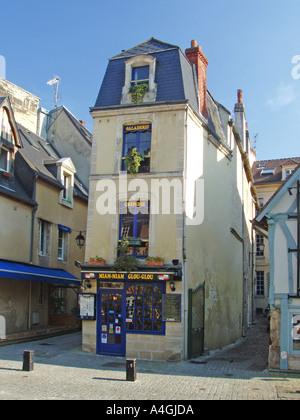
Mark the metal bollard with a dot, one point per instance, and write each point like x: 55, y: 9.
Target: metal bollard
x: 131, y: 370
x: 28, y: 360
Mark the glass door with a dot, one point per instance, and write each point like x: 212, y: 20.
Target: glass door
x: 111, y: 330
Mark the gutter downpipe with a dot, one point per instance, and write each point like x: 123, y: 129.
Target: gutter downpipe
x: 184, y: 271
x: 31, y: 249
x: 33, y: 218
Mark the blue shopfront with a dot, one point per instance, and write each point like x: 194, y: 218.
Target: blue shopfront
x: 129, y: 303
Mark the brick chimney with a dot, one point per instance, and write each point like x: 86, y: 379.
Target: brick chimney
x: 196, y: 56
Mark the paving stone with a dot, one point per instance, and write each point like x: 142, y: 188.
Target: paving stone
x: 63, y: 371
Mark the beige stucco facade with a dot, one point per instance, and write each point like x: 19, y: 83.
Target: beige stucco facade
x: 16, y: 229
x: 212, y: 243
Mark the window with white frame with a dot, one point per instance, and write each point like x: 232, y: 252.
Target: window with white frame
x: 6, y: 132
x: 260, y: 283
x: 5, y: 159
x: 260, y: 245
x: 66, y: 172
x: 62, y: 245
x: 7, y: 142
x: 68, y: 191
x: 44, y: 238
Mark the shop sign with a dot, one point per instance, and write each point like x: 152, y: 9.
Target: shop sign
x: 89, y: 276
x: 137, y: 127
x: 134, y: 276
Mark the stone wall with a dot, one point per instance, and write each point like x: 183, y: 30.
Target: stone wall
x: 274, y: 350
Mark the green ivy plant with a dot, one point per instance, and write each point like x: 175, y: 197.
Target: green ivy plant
x: 138, y: 92
x: 133, y: 160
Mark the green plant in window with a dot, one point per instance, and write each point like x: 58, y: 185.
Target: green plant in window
x: 133, y: 160
x: 125, y: 262
x: 138, y: 92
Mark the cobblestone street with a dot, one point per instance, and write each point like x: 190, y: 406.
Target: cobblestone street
x: 63, y: 371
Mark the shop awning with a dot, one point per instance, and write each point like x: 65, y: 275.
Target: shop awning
x: 16, y: 270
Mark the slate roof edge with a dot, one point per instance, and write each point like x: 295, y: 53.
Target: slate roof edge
x: 143, y: 104
x: 14, y: 195
x: 120, y: 56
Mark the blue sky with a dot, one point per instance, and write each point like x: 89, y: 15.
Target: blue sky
x: 250, y: 45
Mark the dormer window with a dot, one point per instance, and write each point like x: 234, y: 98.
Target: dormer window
x: 5, y: 159
x: 67, y: 191
x: 140, y: 75
x: 66, y: 172
x: 139, y: 70
x: 286, y: 172
x: 7, y: 143
x: 7, y: 134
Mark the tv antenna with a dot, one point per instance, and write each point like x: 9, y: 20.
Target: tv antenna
x: 53, y: 82
x: 255, y: 141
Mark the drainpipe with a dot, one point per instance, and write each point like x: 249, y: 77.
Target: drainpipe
x: 31, y: 247
x: 33, y: 218
x: 184, y: 262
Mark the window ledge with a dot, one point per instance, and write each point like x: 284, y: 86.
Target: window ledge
x: 7, y: 174
x: 66, y: 203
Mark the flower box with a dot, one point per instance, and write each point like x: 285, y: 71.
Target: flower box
x: 155, y: 263
x: 97, y: 262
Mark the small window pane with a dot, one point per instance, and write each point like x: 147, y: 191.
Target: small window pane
x: 144, y: 311
x: 140, y: 73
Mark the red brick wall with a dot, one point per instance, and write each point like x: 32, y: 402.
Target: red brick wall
x: 195, y: 56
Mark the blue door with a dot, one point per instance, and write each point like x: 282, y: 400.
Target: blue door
x: 111, y: 322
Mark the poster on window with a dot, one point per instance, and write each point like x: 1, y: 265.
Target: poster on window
x: 86, y: 306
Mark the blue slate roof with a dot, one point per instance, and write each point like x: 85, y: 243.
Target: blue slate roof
x: 174, y: 75
x: 175, y: 78
x: 151, y: 46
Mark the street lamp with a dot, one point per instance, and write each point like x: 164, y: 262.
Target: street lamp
x: 80, y: 240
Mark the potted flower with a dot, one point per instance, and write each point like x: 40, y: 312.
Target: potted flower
x: 125, y: 262
x: 96, y: 260
x: 133, y: 160
x: 138, y: 92
x: 155, y: 261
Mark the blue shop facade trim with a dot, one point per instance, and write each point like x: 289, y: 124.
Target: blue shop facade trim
x: 128, y: 303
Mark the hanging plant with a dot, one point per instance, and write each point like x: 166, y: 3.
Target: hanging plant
x: 138, y: 92
x: 133, y: 160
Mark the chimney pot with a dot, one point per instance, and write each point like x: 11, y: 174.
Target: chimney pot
x: 240, y: 96
x: 194, y: 44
